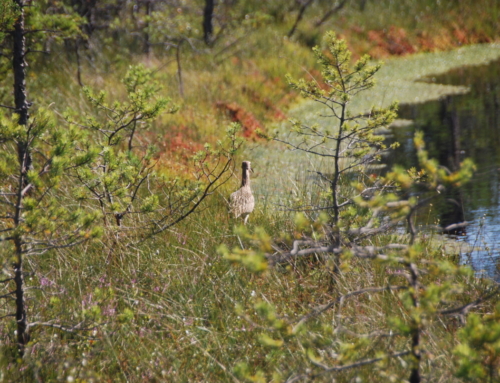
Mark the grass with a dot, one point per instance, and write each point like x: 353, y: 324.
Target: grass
x: 167, y: 311
x: 173, y: 309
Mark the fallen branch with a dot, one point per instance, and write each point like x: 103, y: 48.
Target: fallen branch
x: 462, y: 310
x: 340, y: 300
x: 327, y: 370
x: 455, y: 226
x: 370, y: 252
x: 73, y: 330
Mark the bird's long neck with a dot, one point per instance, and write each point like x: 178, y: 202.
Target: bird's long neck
x: 245, y: 178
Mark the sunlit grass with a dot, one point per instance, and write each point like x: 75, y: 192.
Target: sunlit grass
x: 166, y: 309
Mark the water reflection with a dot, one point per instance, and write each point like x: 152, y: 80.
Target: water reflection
x: 457, y: 127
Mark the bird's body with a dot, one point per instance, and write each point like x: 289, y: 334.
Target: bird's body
x: 241, y: 201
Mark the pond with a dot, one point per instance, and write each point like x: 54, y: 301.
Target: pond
x: 456, y: 127
x: 461, y: 121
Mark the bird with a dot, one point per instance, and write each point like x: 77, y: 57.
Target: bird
x: 241, y: 202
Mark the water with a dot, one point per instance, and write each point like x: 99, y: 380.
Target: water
x: 457, y: 127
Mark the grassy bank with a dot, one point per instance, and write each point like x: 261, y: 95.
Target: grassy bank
x: 241, y: 78
x: 172, y: 309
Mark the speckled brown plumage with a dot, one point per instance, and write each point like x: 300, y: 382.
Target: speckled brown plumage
x: 242, y: 201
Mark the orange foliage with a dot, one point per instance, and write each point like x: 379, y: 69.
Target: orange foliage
x: 177, y: 144
x: 426, y: 42
x: 460, y: 35
x: 238, y: 114
x: 255, y: 97
x: 391, y: 42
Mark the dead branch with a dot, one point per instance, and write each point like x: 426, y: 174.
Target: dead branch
x: 73, y: 329
x: 8, y: 295
x: 302, y: 10
x: 327, y: 370
x: 340, y: 300
x: 462, y: 310
x: 367, y: 252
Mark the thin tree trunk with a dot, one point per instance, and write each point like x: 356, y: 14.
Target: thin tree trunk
x: 87, y: 9
x: 21, y: 316
x: 336, y: 174
x: 25, y: 162
x: 147, y: 42
x: 19, y: 66
x: 20, y: 96
x: 415, y: 336
x: 208, y: 29
x: 179, y: 68
x: 299, y: 17
x: 331, y: 12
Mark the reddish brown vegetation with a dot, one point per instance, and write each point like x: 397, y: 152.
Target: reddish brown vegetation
x: 179, y: 143
x: 426, y: 42
x: 268, y: 105
x: 238, y: 114
x: 392, y: 41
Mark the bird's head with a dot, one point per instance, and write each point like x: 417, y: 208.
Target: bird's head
x: 246, y: 166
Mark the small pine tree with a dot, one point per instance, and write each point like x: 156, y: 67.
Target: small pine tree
x: 81, y: 174
x: 124, y: 179
x: 349, y: 141
x: 417, y: 290
x: 60, y: 184
x: 38, y: 211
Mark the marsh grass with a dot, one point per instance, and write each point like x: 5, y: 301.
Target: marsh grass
x: 172, y: 309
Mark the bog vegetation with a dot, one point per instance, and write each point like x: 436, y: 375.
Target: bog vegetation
x: 121, y: 126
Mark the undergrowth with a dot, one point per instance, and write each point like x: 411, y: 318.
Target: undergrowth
x: 172, y: 309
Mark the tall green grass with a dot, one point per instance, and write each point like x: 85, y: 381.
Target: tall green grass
x: 169, y: 310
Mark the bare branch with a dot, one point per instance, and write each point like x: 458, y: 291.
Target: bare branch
x: 465, y: 308
x: 327, y: 370
x: 321, y: 309
x: 455, y: 226
x: 277, y: 259
x: 8, y: 295
x: 302, y: 10
x: 8, y: 107
x: 73, y: 329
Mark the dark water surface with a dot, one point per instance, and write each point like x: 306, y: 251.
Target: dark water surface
x: 457, y: 127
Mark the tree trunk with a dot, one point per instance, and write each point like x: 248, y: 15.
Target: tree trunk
x: 25, y: 162
x: 147, y: 42
x: 87, y: 9
x: 20, y: 98
x: 19, y: 67
x: 208, y: 13
x: 415, y: 336
x: 21, y: 317
x: 299, y: 17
